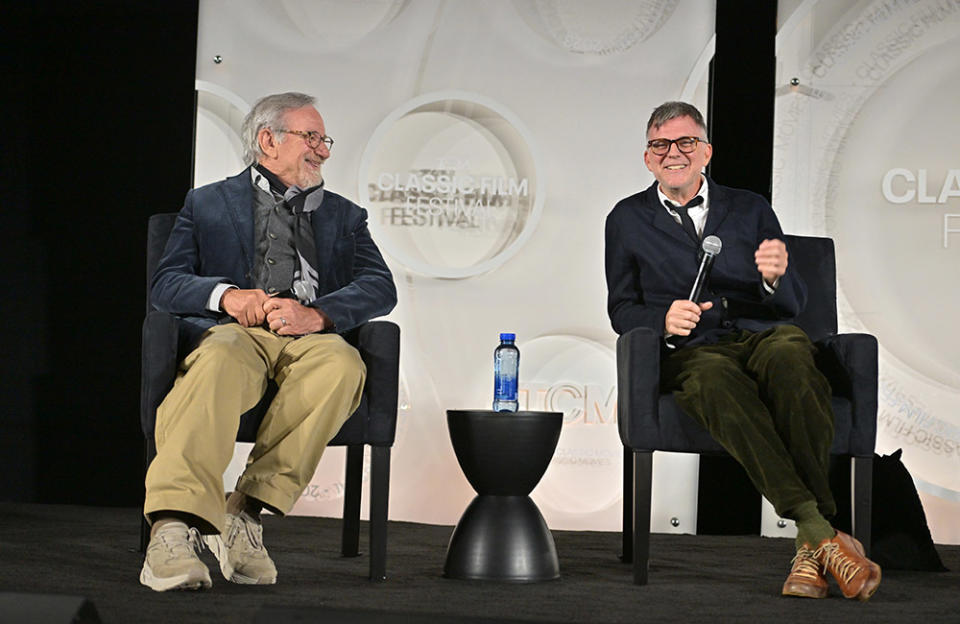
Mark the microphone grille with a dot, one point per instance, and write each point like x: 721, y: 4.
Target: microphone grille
x: 712, y: 245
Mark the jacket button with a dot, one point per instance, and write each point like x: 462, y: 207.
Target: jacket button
x: 271, y: 261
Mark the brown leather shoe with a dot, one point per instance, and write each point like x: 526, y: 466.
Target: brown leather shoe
x: 843, y: 557
x: 806, y: 578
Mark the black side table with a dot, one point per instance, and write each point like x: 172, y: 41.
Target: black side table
x: 502, y: 536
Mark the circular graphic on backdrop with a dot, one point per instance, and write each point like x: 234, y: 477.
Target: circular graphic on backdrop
x: 865, y: 156
x: 895, y: 190
x: 337, y: 23
x: 450, y: 180
x: 578, y: 377
x: 218, y: 150
x: 597, y: 28
x: 316, y: 25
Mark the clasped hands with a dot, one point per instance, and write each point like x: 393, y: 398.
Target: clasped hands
x: 683, y: 315
x: 285, y: 317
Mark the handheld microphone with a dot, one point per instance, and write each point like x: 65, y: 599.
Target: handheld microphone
x: 711, y: 249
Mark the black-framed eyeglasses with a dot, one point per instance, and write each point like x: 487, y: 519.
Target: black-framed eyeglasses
x: 660, y: 147
x: 313, y: 139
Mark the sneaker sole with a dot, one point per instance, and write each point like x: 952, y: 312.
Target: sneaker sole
x: 189, y: 581
x: 216, y: 546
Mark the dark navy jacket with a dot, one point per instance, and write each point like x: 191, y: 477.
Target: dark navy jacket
x: 651, y: 262
x: 212, y: 242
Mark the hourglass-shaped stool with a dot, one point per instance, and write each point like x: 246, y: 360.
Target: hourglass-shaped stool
x: 502, y: 536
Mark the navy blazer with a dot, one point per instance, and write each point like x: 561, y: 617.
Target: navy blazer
x: 651, y: 262
x: 212, y: 242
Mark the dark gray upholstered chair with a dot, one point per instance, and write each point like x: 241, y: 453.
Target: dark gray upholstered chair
x: 374, y: 423
x: 650, y: 421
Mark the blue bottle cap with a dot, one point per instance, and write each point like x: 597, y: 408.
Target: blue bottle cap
x: 508, y: 336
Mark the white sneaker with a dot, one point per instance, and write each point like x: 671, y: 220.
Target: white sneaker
x: 171, y: 561
x: 240, y: 551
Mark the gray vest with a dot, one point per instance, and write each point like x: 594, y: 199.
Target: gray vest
x: 275, y: 254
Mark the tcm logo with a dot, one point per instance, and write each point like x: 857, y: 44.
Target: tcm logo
x: 582, y: 404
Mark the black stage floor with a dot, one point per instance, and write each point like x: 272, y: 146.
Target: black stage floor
x: 92, y: 552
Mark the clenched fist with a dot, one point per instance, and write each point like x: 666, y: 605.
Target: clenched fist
x: 683, y: 316
x: 245, y: 305
x: 771, y: 259
x: 288, y: 317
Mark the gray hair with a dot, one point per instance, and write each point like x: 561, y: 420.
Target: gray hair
x: 671, y: 110
x: 268, y: 112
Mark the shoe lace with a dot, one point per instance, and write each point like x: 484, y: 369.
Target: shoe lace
x: 176, y: 541
x: 806, y: 564
x: 252, y: 534
x: 839, y: 563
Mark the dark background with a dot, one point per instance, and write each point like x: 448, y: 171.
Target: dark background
x: 100, y: 137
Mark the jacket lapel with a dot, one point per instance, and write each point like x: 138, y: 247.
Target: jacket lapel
x: 238, y: 198
x: 662, y: 220
x: 718, y: 209
x: 324, y: 224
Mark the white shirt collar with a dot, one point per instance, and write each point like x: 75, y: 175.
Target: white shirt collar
x: 259, y: 180
x: 704, y: 191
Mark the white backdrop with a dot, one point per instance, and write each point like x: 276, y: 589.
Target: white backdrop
x: 532, y: 115
x: 866, y: 152
x: 489, y: 141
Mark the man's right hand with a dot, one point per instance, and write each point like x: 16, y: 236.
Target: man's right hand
x: 683, y: 316
x: 245, y: 305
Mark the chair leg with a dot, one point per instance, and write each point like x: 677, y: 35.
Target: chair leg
x: 626, y: 555
x: 861, y: 499
x: 353, y: 483
x: 643, y: 485
x: 379, y: 502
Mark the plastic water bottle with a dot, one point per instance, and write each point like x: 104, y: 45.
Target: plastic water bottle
x: 506, y: 364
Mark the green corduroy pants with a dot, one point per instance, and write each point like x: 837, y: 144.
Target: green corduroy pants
x: 762, y: 398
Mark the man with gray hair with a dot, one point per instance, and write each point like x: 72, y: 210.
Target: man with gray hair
x: 731, y: 358
x: 266, y: 270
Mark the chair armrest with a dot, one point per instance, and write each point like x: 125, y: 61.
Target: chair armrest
x: 158, y: 364
x: 638, y: 383
x: 849, y: 362
x: 379, y: 345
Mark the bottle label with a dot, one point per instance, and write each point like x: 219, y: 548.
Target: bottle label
x: 506, y: 389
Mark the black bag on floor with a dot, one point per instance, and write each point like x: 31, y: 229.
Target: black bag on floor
x: 901, y: 537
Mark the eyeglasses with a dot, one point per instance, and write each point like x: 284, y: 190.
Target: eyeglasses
x: 313, y: 139
x: 660, y: 147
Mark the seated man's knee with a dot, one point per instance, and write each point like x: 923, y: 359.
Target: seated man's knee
x: 789, y: 336
x: 341, y: 361
x: 348, y: 358
x: 228, y: 343
x: 788, y: 352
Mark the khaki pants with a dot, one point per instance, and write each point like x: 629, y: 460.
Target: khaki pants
x: 320, y: 378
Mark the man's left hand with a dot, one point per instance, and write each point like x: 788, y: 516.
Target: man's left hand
x: 287, y: 317
x: 771, y: 259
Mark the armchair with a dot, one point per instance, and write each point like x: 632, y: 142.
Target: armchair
x: 373, y: 423
x: 650, y: 421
